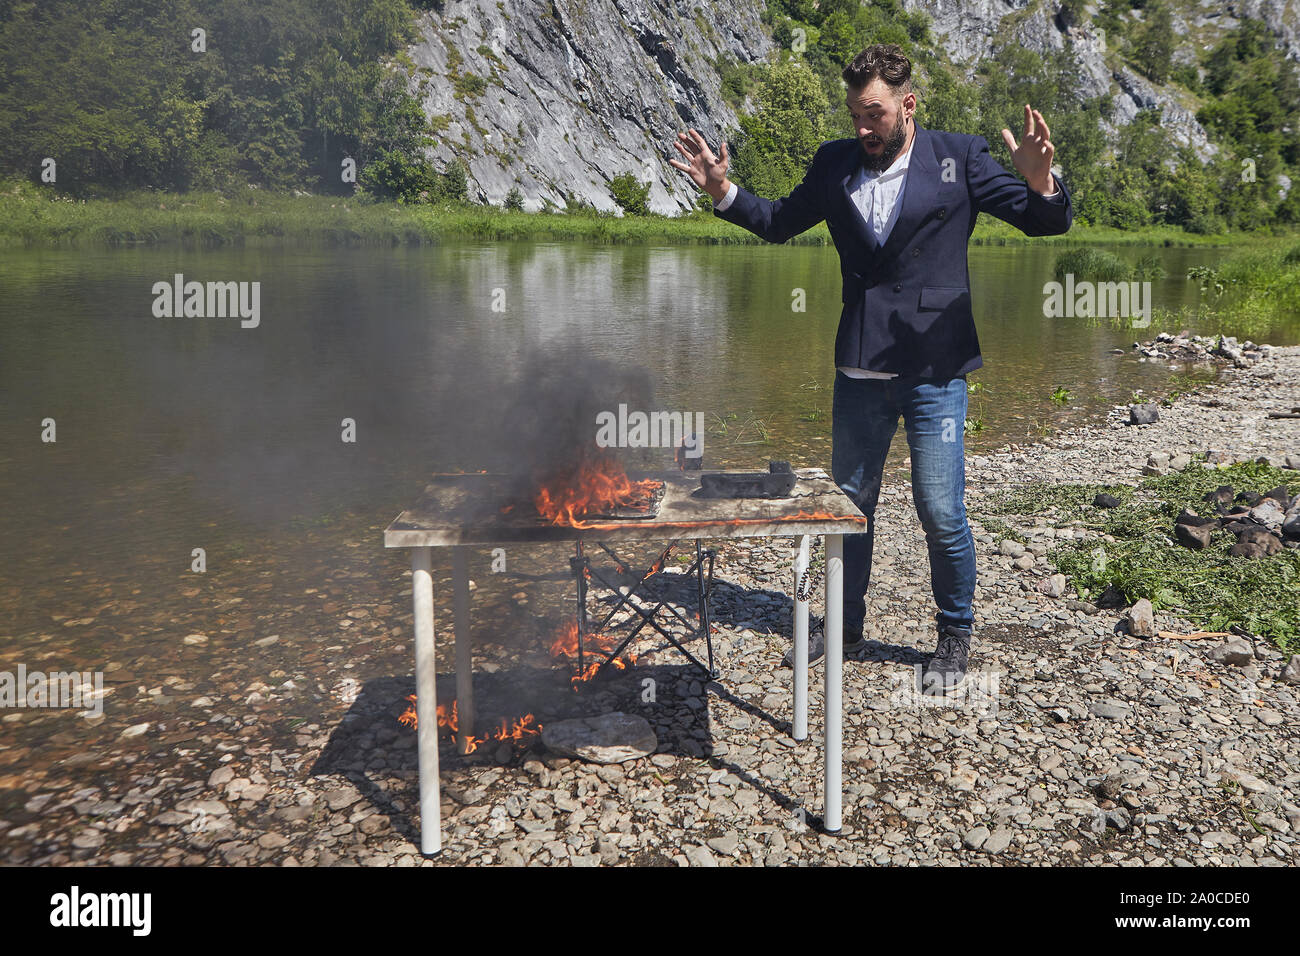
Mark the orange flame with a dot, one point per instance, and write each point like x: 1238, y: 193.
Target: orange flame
x: 596, y: 483
x: 654, y: 569
x: 521, y: 730
x: 565, y: 645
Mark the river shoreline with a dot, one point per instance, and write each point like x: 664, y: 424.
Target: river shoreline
x: 30, y: 217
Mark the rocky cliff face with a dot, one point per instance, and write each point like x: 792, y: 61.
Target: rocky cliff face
x: 559, y: 96
x: 575, y: 92
x: 969, y: 28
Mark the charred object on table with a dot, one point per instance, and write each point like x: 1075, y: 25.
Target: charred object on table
x: 777, y: 482
x: 689, y: 457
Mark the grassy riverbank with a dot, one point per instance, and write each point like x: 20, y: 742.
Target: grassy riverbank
x: 1210, y: 588
x: 30, y: 215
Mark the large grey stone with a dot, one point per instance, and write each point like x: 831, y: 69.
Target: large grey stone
x: 1291, y: 673
x: 1236, y: 652
x: 1141, y: 619
x: 1269, y: 514
x: 1110, y: 709
x: 609, y: 738
x: 1144, y: 414
x: 1255, y: 543
x: 1053, y: 586
x: 998, y: 840
x: 1196, y: 537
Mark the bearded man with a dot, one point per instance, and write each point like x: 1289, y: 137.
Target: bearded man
x: 900, y: 202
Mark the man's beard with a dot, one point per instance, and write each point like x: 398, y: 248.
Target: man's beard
x: 893, y: 146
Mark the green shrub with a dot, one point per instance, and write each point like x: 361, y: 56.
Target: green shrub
x: 468, y: 84
x: 1094, y: 265
x: 630, y: 194
x: 454, y: 182
x: 396, y: 176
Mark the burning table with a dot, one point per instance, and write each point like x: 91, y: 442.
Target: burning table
x: 482, y: 510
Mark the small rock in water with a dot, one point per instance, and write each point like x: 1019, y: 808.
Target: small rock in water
x: 609, y: 738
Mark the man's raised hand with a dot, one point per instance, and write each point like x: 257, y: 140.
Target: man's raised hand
x: 1033, y: 156
x: 709, y: 172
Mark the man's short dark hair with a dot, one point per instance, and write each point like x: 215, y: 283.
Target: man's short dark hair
x: 884, y: 60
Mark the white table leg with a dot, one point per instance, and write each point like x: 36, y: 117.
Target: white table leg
x: 800, y: 644
x: 426, y: 702
x: 834, y: 665
x: 464, y: 649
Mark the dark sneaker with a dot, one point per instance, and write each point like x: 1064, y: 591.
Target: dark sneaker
x: 853, y: 643
x: 946, y: 671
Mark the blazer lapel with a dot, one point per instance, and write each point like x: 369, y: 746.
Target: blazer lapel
x: 859, y: 224
x: 919, y: 189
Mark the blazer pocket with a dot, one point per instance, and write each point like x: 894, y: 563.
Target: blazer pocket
x: 942, y: 297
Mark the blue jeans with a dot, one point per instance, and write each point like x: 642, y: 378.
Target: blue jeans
x: 864, y: 419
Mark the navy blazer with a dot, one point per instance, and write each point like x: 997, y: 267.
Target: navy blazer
x: 907, y: 304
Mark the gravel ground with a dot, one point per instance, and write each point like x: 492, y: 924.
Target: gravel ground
x: 1084, y: 745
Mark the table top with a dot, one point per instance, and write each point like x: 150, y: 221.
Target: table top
x: 468, y: 510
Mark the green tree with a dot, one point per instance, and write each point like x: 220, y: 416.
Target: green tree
x: 1153, y: 47
x: 947, y: 102
x: 282, y: 92
x: 1253, y: 111
x: 1014, y: 76
x: 775, y: 144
